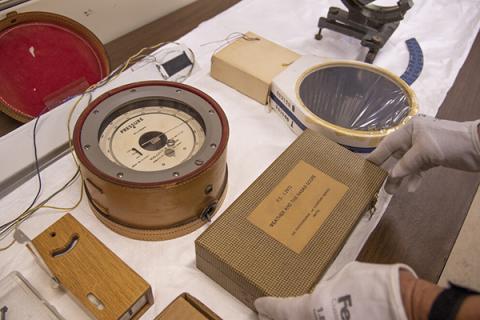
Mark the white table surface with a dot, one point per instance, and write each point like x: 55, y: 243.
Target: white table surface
x: 445, y: 30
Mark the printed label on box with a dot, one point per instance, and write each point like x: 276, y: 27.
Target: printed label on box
x: 298, y: 206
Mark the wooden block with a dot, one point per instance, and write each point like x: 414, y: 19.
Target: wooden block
x: 100, y: 281
x: 187, y: 307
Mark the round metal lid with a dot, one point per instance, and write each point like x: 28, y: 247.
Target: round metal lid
x: 152, y: 123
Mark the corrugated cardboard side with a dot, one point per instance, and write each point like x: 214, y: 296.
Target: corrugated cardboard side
x: 249, y: 65
x: 249, y: 263
x: 187, y: 307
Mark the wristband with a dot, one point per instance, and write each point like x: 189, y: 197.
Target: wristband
x: 448, y: 302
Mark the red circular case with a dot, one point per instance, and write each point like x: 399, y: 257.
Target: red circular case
x: 45, y: 59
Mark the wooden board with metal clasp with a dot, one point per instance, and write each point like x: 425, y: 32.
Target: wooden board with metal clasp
x: 99, y: 280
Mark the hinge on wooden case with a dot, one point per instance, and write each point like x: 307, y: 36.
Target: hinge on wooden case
x: 372, y: 207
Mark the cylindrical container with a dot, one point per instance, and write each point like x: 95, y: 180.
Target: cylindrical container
x: 153, y: 158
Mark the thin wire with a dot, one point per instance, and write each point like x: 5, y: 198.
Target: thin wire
x: 72, y: 207
x: 8, y: 246
x: 231, y: 36
x: 229, y: 39
x: 28, y: 212
x: 37, y: 169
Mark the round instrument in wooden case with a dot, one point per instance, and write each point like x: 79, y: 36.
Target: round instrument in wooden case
x: 153, y: 158
x: 45, y: 59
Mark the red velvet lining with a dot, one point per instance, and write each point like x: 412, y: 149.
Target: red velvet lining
x: 42, y: 64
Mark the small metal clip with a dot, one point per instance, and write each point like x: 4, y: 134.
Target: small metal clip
x: 208, y: 212
x: 21, y: 237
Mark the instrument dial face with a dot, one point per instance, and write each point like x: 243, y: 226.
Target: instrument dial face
x: 152, y: 138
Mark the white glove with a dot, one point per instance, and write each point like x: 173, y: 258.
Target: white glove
x: 358, y: 291
x: 424, y: 143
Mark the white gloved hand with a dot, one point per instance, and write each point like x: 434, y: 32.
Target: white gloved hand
x: 358, y: 291
x: 424, y: 143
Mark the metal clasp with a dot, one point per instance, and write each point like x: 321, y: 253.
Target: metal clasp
x: 209, y: 211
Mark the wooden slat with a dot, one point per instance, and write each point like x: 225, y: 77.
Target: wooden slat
x: 420, y: 228
x: 86, y: 268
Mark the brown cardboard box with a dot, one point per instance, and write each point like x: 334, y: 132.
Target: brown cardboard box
x: 280, y: 236
x: 187, y: 307
x: 250, y: 63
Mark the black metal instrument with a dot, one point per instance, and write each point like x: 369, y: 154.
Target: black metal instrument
x: 371, y: 24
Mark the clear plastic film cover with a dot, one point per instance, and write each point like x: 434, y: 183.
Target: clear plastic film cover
x: 354, y: 98
x: 20, y: 301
